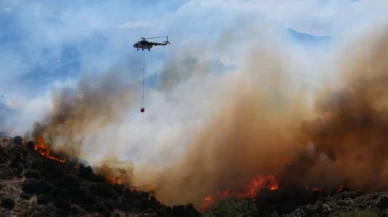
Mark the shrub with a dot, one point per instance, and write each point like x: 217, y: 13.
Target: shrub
x: 102, y: 190
x: 34, y: 186
x: 44, y: 173
x: 99, y: 207
x: 45, y: 187
x: 36, y: 165
x: 8, y: 203
x: 144, y: 204
x: 88, y: 174
x: 191, y: 211
x: 25, y: 196
x: 109, y: 204
x: 230, y: 208
x: 153, y: 203
x: 128, y: 195
x: 32, y: 173
x: 18, y: 167
x: 143, y: 194
x: 18, y: 150
x: 63, y: 204
x: 84, y: 196
x: 69, y: 182
x: 31, y: 145
x: 61, y: 193
x: 30, y: 185
x: 55, y: 169
x: 18, y: 140
x: 161, y: 213
x: 45, y: 198
x: 357, y: 213
x: 2, y: 151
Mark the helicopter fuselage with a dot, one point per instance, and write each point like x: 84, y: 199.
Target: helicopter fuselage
x: 143, y: 45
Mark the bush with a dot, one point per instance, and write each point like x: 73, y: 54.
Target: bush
x: 31, y: 145
x: 45, y: 198
x: 34, y: 186
x: 31, y: 173
x: 61, y: 193
x: 47, y: 174
x: 102, y: 190
x: 231, y: 208
x: 18, y: 167
x: 2, y: 151
x: 109, y: 204
x: 63, y: 204
x: 161, y: 213
x: 18, y: 151
x: 88, y: 174
x: 83, y: 196
x: 8, y: 203
x: 54, y: 170
x: 191, y: 211
x: 45, y: 187
x: 357, y: 213
x: 99, y: 207
x: 30, y: 185
x: 25, y: 196
x: 37, y: 165
x: 69, y: 182
x: 18, y: 140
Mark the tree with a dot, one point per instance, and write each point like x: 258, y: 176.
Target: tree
x: 18, y: 140
x: 229, y: 207
x: 31, y: 145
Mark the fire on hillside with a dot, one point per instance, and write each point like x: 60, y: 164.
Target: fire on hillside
x: 253, y: 190
x: 45, y: 150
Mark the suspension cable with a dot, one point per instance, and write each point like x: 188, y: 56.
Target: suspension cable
x: 144, y: 63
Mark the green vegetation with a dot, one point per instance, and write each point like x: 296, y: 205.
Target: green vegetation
x: 32, y: 173
x: 357, y: 213
x: 233, y: 208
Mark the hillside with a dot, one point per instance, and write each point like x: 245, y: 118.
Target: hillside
x: 34, y: 185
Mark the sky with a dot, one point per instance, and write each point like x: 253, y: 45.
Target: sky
x: 49, y: 44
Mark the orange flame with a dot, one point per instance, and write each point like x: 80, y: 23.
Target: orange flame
x: 113, y: 181
x: 341, y: 188
x: 248, y: 191
x: 44, y: 150
x: 313, y: 189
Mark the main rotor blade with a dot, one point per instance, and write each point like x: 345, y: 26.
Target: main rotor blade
x: 157, y: 37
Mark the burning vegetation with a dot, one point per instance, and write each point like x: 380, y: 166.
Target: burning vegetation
x: 269, y: 185
x: 44, y: 150
x: 266, y: 128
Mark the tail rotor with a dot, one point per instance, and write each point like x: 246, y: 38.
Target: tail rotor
x: 166, y: 42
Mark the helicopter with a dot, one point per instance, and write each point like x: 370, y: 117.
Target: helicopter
x: 144, y: 44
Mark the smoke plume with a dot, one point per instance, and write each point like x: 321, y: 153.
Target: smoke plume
x: 265, y: 126
x: 255, y: 121
x: 80, y: 113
